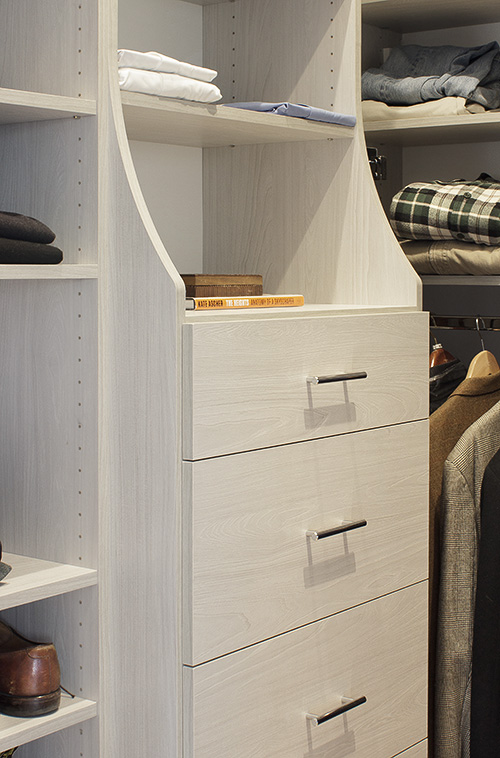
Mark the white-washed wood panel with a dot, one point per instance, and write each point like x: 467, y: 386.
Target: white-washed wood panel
x: 251, y: 571
x: 155, y: 119
x: 408, y: 16
x: 307, y: 217
x: 48, y: 406
x: 284, y: 50
x: 417, y: 751
x: 49, y: 46
x: 253, y: 703
x: 18, y: 731
x: 245, y: 383
x: 48, y: 171
x: 32, y: 579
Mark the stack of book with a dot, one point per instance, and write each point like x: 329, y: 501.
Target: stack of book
x: 222, y: 291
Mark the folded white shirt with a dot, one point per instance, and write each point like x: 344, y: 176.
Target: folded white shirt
x: 167, y: 85
x: 375, y: 110
x: 158, y: 62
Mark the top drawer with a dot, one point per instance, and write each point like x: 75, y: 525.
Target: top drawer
x: 245, y: 382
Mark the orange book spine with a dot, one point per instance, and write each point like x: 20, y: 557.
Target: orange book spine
x: 259, y: 301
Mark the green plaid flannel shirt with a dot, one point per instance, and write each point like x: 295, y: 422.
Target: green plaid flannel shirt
x: 464, y: 210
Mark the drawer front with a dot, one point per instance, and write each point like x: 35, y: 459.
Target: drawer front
x: 253, y: 703
x: 245, y: 382
x: 252, y: 572
x: 417, y: 751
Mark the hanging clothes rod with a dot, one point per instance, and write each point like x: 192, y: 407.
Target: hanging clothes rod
x: 472, y: 323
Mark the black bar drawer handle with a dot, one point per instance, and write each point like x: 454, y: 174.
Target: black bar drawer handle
x: 346, y: 526
x: 347, y: 705
x: 337, y: 377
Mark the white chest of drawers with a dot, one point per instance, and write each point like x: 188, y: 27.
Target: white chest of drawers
x: 304, y: 536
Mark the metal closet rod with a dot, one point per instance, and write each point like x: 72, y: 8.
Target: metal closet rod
x: 472, y: 323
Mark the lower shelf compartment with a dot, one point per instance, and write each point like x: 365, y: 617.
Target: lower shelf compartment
x: 32, y: 579
x: 19, y: 731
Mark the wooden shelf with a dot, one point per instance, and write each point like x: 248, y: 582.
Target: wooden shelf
x: 410, y: 16
x: 482, y: 127
x: 19, y: 731
x: 59, y: 271
x: 459, y: 281
x: 153, y: 119
x: 32, y: 579
x: 18, y: 106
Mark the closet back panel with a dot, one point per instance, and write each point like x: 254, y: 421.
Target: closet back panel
x: 174, y: 28
x: 286, y: 50
x: 61, y: 43
x: 48, y: 410
x: 46, y: 172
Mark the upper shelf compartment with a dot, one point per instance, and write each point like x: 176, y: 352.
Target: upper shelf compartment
x: 411, y: 16
x: 153, y: 119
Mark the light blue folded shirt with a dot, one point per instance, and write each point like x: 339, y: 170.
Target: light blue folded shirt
x: 297, y: 110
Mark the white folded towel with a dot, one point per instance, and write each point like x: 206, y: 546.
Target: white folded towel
x: 158, y: 62
x: 167, y: 85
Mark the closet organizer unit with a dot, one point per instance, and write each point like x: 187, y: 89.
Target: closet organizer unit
x: 445, y: 148
x: 259, y: 540
x: 48, y: 349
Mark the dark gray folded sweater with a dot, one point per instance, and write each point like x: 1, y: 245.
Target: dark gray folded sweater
x: 20, y: 251
x: 18, y: 227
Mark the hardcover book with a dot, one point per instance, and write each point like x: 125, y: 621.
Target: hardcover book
x: 262, y: 301
x: 222, y: 285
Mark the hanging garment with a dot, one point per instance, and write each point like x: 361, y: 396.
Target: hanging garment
x: 471, y: 399
x: 466, y: 404
x: 443, y: 380
x: 415, y: 73
x: 460, y: 517
x: 485, y: 680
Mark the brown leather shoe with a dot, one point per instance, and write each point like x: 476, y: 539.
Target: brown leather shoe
x: 30, y: 678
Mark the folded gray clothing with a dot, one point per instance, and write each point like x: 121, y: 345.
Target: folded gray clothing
x: 297, y: 110
x: 416, y: 73
x: 21, y: 251
x: 15, y: 226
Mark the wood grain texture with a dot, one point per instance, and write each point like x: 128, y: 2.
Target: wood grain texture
x: 417, y: 751
x: 245, y: 382
x: 482, y: 127
x: 141, y: 297
x: 32, y: 579
x: 257, y: 699
x: 408, y: 16
x: 253, y: 573
x: 50, y: 46
x: 307, y: 238
x: 48, y: 404
x: 17, y: 106
x: 154, y: 119
x: 17, y: 731
x: 48, y: 171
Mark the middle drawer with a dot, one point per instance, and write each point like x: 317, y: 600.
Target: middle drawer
x: 251, y: 571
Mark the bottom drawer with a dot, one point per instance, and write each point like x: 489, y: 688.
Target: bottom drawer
x: 417, y: 751
x: 253, y: 703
